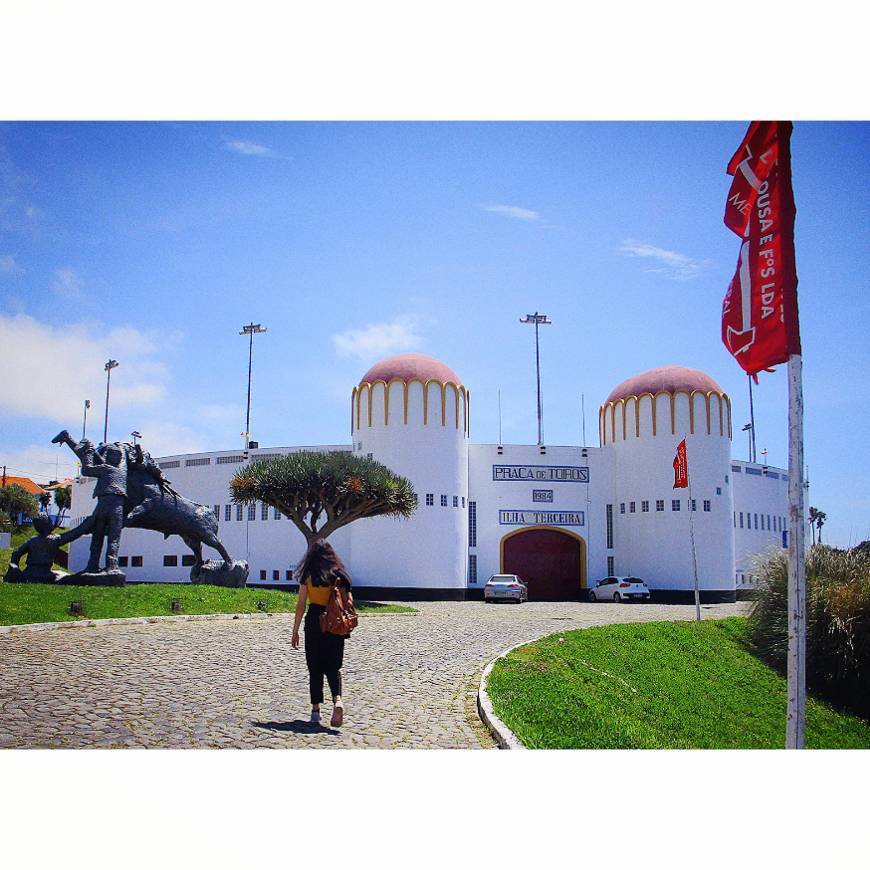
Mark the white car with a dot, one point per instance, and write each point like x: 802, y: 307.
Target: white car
x: 620, y: 589
x: 505, y: 587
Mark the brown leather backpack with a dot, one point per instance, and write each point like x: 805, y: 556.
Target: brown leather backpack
x: 340, y: 615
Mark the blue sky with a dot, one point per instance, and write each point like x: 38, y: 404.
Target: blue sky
x: 154, y: 243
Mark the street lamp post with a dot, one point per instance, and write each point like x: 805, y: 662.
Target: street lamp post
x: 250, y: 330
x: 111, y: 364
x: 136, y: 436
x: 85, y: 418
x: 538, y: 320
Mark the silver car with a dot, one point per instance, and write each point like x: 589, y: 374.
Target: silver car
x: 505, y: 587
x: 620, y: 589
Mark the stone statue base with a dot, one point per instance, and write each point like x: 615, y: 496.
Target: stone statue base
x: 218, y: 573
x: 17, y: 575
x: 100, y: 578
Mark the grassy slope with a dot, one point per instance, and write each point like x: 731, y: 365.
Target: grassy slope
x: 37, y: 602
x: 666, y: 685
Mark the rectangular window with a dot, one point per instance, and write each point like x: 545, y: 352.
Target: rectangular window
x: 610, y: 527
x: 443, y: 501
x: 631, y: 507
x: 122, y: 561
x: 660, y: 504
x: 288, y: 574
x: 228, y: 512
x: 203, y: 460
x: 756, y: 522
x: 276, y: 575
x: 610, y: 571
x: 172, y: 463
x: 644, y: 507
x: 694, y: 505
x: 734, y: 518
x: 262, y: 574
x: 741, y: 519
x: 455, y: 501
x: 252, y: 512
x: 622, y: 507
x: 370, y: 455
x: 472, y: 568
x: 735, y: 468
x: 706, y: 505
x: 276, y: 515
x: 718, y: 490
x: 264, y: 511
x: 217, y: 511
x: 188, y: 560
x: 768, y: 523
x: 135, y: 561
x: 675, y: 504
x: 238, y: 513
x: 472, y: 524
x: 226, y: 460
x: 430, y: 499
x: 170, y: 561
x: 463, y: 502
x: 753, y: 471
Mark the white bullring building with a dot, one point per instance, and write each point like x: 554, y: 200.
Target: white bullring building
x: 562, y: 517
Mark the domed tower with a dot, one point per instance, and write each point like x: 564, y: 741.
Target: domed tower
x: 410, y: 412
x: 642, y: 422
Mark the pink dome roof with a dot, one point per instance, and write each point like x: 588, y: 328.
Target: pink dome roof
x: 667, y: 378
x: 410, y: 366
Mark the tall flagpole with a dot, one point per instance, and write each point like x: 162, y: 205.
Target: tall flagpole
x: 692, y: 539
x: 797, y: 628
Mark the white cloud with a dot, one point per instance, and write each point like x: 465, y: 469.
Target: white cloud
x: 678, y: 266
x: 40, y: 463
x: 514, y: 211
x: 251, y: 149
x: 162, y: 438
x: 49, y: 371
x: 8, y: 264
x: 378, y: 339
x: 66, y: 282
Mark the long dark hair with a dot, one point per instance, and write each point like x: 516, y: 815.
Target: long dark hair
x: 321, y: 566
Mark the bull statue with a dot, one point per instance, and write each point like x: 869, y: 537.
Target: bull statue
x: 149, y: 502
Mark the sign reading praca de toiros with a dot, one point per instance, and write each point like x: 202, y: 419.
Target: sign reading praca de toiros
x: 548, y: 473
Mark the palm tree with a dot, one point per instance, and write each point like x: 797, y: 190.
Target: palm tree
x: 321, y: 491
x: 817, y: 520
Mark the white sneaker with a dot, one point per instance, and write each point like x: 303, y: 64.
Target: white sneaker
x: 315, y: 717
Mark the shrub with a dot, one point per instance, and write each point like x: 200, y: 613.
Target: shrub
x: 838, y: 622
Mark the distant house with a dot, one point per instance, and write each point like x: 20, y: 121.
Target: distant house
x: 24, y: 482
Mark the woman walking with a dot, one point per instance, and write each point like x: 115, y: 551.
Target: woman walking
x: 320, y: 570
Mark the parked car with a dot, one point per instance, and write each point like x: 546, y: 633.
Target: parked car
x: 620, y: 589
x: 505, y: 587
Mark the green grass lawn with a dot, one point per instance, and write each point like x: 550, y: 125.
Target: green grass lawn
x: 36, y: 602
x: 662, y: 685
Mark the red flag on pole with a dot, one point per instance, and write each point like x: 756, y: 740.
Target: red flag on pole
x: 759, y: 312
x: 681, y: 467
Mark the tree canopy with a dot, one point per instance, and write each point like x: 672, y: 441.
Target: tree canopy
x: 323, y: 491
x: 16, y: 501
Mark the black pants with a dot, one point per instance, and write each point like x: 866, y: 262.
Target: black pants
x: 324, y: 655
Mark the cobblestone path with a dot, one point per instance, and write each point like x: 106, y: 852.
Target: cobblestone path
x: 410, y: 680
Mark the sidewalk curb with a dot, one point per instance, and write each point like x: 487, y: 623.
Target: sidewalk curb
x: 134, y: 620
x: 504, y: 737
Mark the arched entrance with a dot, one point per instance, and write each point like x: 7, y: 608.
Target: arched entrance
x: 551, y: 561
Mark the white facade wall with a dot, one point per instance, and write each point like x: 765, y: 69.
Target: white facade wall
x: 643, y: 435
x: 420, y: 432
x: 760, y: 516
x: 491, y: 497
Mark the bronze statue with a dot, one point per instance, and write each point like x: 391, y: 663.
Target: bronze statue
x: 40, y: 551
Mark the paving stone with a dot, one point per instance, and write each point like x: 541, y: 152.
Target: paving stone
x: 410, y: 681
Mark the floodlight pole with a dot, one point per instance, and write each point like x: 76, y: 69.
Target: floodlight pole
x: 111, y: 364
x: 250, y: 331
x: 538, y: 320
x: 85, y: 418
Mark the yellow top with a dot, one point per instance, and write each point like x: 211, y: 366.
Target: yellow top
x: 318, y: 594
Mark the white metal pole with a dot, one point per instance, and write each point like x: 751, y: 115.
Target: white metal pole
x: 692, y: 539
x: 499, y: 418
x: 797, y: 627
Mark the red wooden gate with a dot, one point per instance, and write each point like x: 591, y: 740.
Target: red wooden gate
x: 549, y: 561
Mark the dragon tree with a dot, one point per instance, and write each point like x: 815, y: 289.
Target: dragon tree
x: 322, y: 491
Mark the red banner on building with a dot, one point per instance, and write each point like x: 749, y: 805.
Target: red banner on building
x: 681, y: 467
x: 759, y: 312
